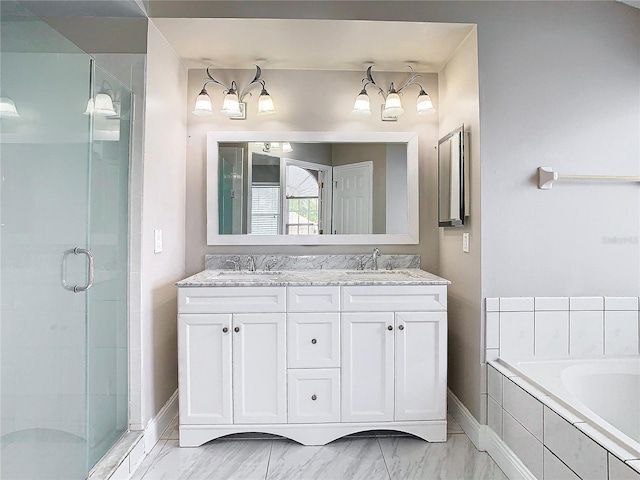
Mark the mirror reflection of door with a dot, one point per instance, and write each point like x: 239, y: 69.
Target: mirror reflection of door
x: 306, y: 196
x: 230, y: 188
x: 353, y: 198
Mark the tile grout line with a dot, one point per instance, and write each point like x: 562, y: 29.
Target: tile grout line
x: 383, y: 459
x: 266, y: 473
x: 152, y: 461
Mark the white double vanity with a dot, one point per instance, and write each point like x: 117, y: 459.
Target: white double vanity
x: 313, y: 354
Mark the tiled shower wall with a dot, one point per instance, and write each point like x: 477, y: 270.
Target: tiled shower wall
x: 557, y: 327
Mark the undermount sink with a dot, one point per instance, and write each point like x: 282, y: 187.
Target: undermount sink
x: 245, y: 275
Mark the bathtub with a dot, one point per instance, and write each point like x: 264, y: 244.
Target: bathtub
x: 604, y: 393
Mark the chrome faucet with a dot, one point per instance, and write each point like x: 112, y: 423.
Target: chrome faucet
x: 236, y: 263
x: 251, y: 263
x: 270, y: 264
x: 374, y: 258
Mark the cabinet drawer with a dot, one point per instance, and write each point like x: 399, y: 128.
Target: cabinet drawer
x: 313, y: 340
x: 390, y: 298
x: 231, y: 299
x: 314, y: 395
x: 313, y: 299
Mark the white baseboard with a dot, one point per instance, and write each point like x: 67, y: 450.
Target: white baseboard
x: 158, y: 424
x: 462, y: 415
x: 486, y: 439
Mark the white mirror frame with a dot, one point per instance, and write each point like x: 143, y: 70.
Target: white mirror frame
x: 409, y: 238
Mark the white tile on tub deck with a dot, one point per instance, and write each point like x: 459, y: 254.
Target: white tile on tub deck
x: 552, y: 334
x: 579, y: 452
x: 494, y: 416
x: 516, y: 334
x: 491, y: 354
x: 554, y: 469
x: 523, y: 444
x: 494, y: 384
x: 605, y: 442
x: 620, y: 333
x: 635, y: 464
x: 523, y: 407
x: 618, y: 470
x: 492, y: 325
x: 621, y: 303
x: 516, y: 304
x: 551, y: 303
x: 586, y: 334
x: 586, y: 303
x: 492, y: 304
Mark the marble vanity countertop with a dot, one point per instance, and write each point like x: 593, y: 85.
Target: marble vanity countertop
x: 245, y: 278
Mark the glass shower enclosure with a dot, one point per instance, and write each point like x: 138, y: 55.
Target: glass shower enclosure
x: 64, y: 162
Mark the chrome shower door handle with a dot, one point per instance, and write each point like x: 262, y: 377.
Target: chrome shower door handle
x: 77, y: 288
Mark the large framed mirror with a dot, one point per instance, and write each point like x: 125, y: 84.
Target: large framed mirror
x: 453, y: 178
x: 312, y: 188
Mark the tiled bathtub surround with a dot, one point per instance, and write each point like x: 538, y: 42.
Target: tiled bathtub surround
x: 558, y: 327
x: 552, y: 442
x: 312, y: 262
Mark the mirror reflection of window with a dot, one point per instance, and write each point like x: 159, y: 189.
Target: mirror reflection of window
x: 265, y: 210
x: 306, y: 184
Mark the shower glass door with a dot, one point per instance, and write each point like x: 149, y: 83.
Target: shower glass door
x: 63, y: 216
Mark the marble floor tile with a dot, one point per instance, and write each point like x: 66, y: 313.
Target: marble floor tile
x: 347, y: 458
x: 148, y: 461
x: 172, y: 432
x: 221, y: 459
x: 410, y: 458
x: 452, y: 425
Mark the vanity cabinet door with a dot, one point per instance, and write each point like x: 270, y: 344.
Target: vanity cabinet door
x: 204, y: 351
x: 421, y: 365
x: 259, y: 368
x: 367, y: 367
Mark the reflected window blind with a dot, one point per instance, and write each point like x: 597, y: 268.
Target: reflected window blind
x: 265, y: 209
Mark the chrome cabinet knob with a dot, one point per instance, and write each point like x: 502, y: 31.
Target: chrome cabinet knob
x: 314, y: 341
x: 237, y: 329
x: 401, y: 327
x: 389, y: 328
x: 225, y: 329
x: 314, y: 398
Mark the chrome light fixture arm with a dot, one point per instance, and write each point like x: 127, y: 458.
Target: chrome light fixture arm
x: 256, y: 79
x: 213, y: 80
x: 368, y: 80
x: 412, y: 80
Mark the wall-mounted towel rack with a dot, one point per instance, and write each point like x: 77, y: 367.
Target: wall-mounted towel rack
x: 546, y: 177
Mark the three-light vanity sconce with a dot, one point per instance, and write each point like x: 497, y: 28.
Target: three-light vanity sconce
x: 234, y: 106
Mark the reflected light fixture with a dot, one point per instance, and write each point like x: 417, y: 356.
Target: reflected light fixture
x: 272, y: 147
x: 392, y: 108
x: 233, y: 105
x: 8, y: 108
x: 103, y: 103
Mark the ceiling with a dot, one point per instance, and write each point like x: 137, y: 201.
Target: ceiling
x: 312, y: 44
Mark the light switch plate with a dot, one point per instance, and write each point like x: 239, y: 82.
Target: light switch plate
x: 465, y: 242
x: 157, y: 241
